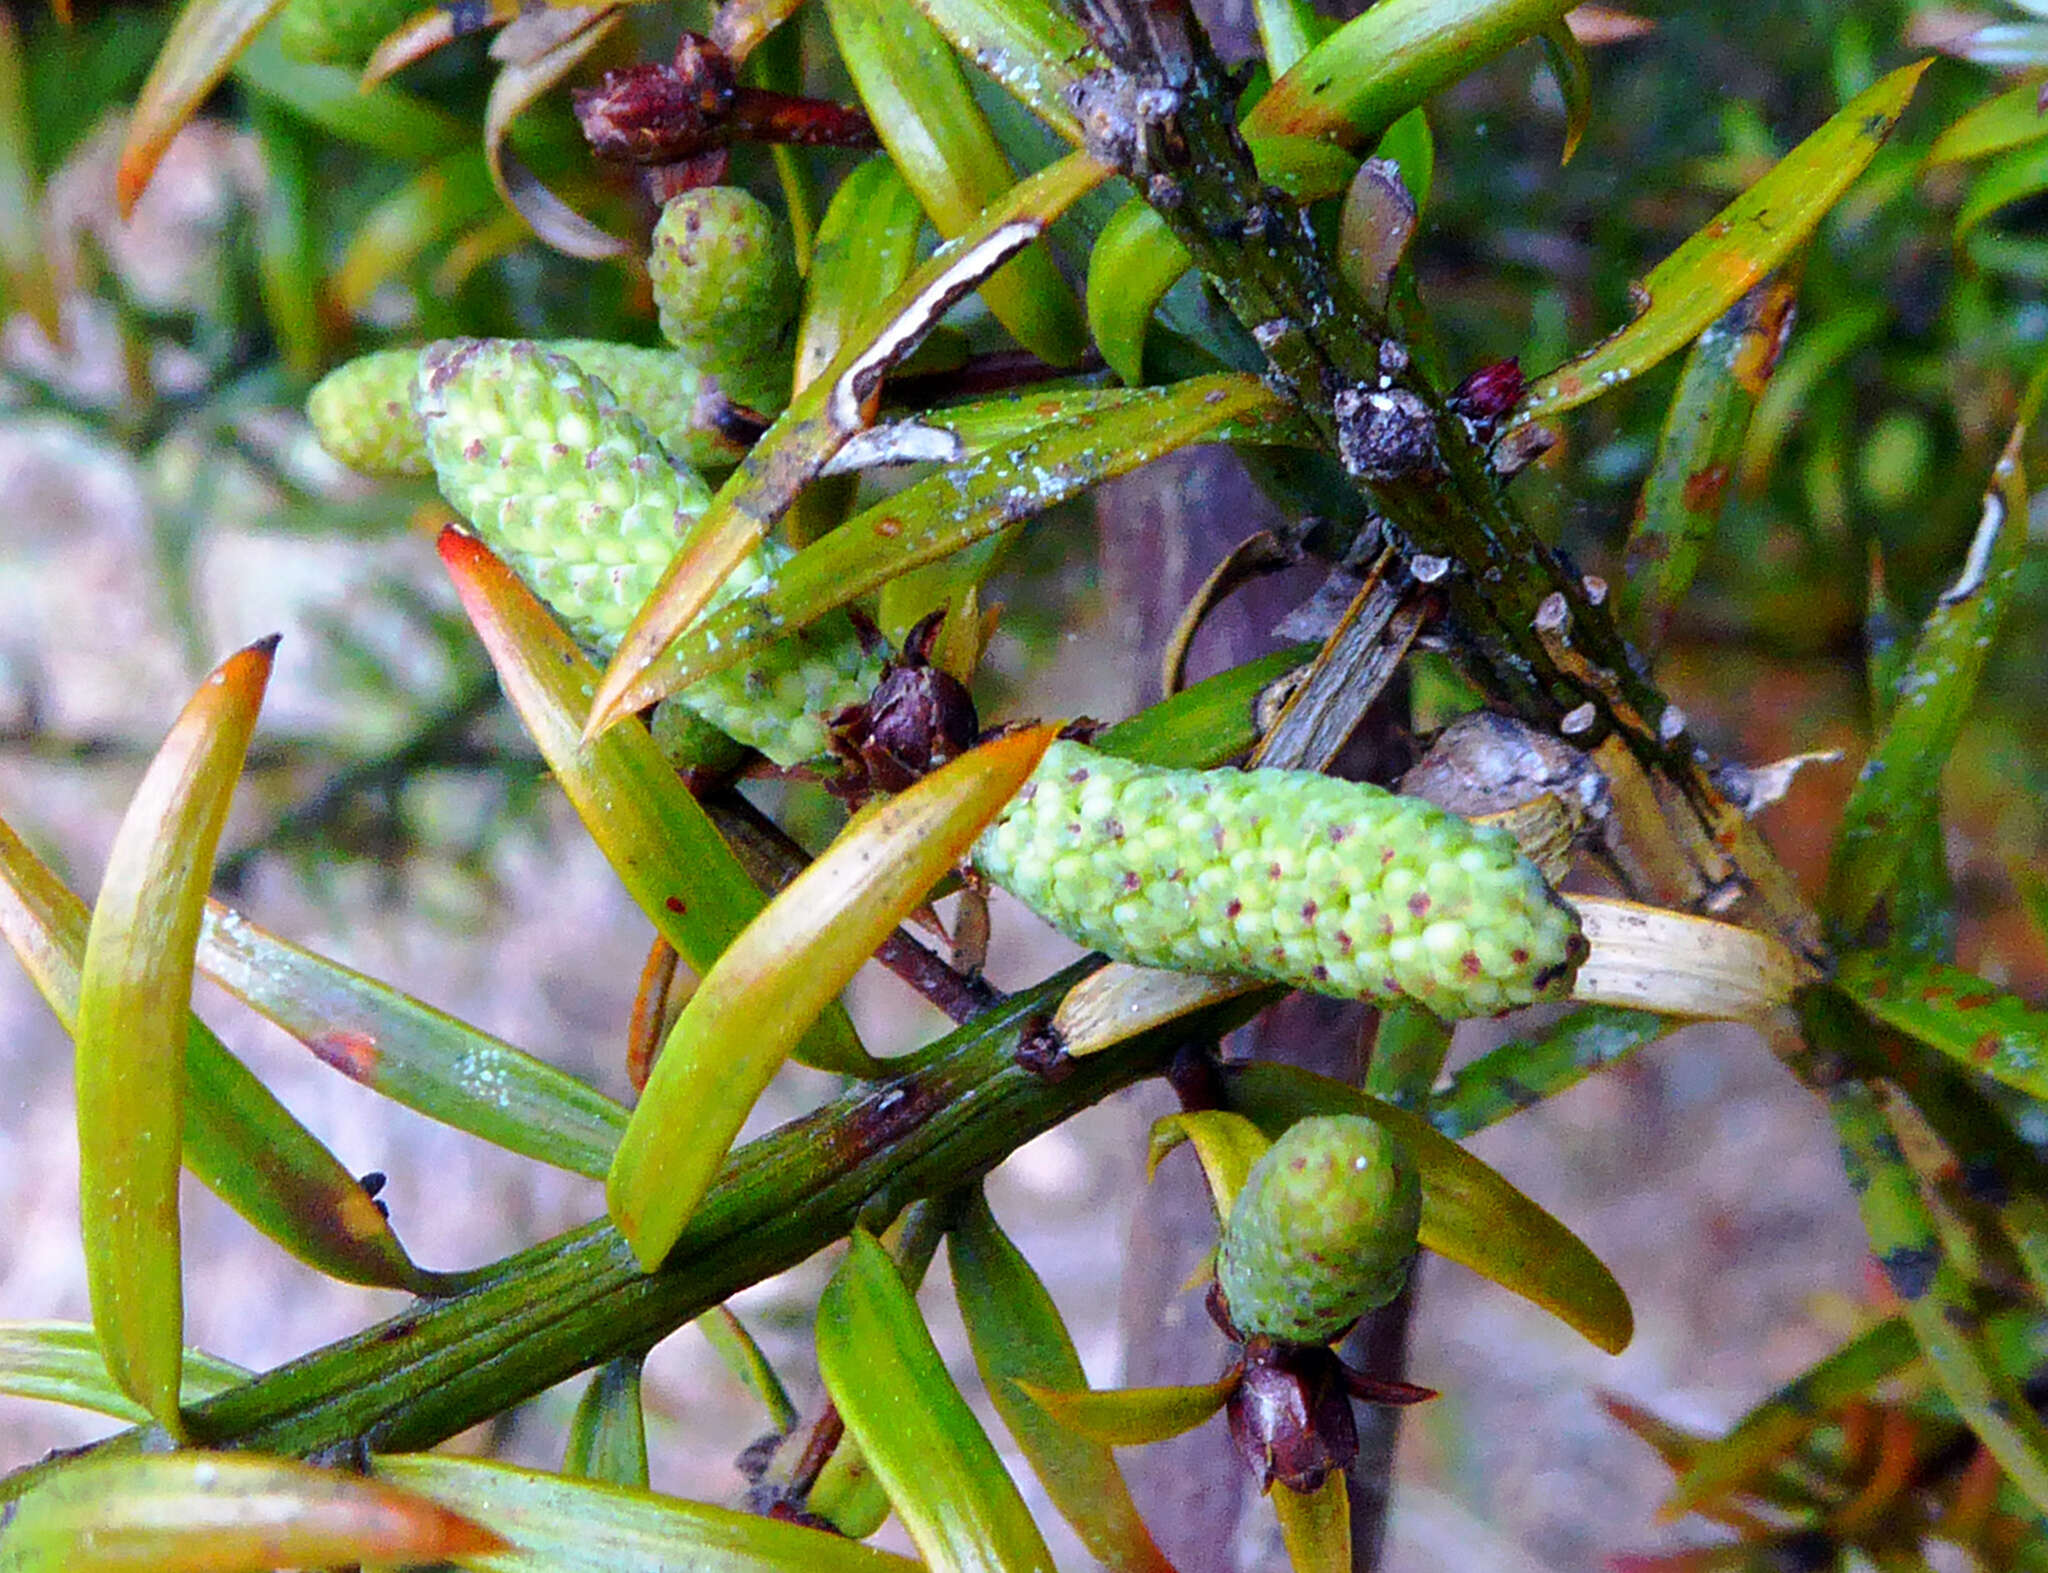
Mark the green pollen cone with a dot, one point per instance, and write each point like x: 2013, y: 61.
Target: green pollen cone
x: 1322, y: 1231
x: 725, y: 284
x: 575, y: 493
x: 362, y: 412
x: 1297, y: 878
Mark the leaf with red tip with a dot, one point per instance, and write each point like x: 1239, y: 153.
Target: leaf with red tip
x: 942, y: 1474
x: 226, y: 1513
x: 1722, y: 262
x: 203, y: 43
x: 665, y: 850
x: 1131, y: 1416
x: 1018, y: 1336
x: 134, y: 995
x: 243, y: 1144
x: 774, y: 979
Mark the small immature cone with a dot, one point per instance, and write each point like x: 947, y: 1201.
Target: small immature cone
x: 362, y: 411
x: 576, y: 495
x: 1331, y: 886
x: 725, y: 284
x: 1322, y: 1231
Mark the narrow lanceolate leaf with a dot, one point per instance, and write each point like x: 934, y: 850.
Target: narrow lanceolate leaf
x: 1722, y: 262
x: 830, y: 411
x: 412, y: 1053
x: 781, y: 972
x: 1207, y: 724
x: 1761, y: 1437
x: 288, y: 261
x: 1131, y: 1416
x: 438, y: 203
x: 570, y: 33
x: 664, y: 849
x: 26, y: 282
x: 243, y: 1144
x: 1227, y: 1145
x: 60, y: 1363
x: 943, y: 1477
x: 1017, y: 1336
x: 1899, y: 788
x: 964, y: 503
x: 1973, y: 1022
x: 1525, y: 1071
x: 1136, y: 259
x: 2012, y: 176
x: 608, y: 1433
x: 1469, y: 1212
x: 1036, y: 53
x: 918, y: 98
x: 1936, y: 1297
x: 553, y: 1525
x: 225, y: 1513
x: 866, y: 247
x: 134, y: 997
x: 743, y: 1357
x: 2011, y: 119
x: 1574, y: 76
x: 1316, y: 1527
x: 1372, y: 70
x: 1724, y: 376
x: 203, y: 43
x: 384, y: 119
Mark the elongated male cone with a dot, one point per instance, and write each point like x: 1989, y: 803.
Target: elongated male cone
x: 1321, y: 1232
x: 362, y: 411
x: 583, y: 503
x: 1331, y: 886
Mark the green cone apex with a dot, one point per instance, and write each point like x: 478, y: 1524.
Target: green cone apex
x: 1322, y: 1231
x: 1331, y: 886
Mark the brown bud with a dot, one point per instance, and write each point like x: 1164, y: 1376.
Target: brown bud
x: 1290, y: 1415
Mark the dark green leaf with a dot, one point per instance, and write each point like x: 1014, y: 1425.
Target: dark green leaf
x: 1524, y: 1071
x: 1973, y: 1022
x: 608, y: 1433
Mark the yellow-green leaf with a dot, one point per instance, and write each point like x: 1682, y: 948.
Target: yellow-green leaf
x: 660, y: 843
x: 608, y: 1432
x: 225, y: 1513
x: 203, y: 43
x: 1469, y: 1212
x: 743, y: 1357
x: 239, y: 1140
x: 1131, y: 1416
x: 60, y: 1363
x: 1974, y: 1023
x: 2009, y: 120
x: 554, y: 1525
x: 134, y: 995
x: 1228, y: 1145
x: 385, y: 119
x: 1721, y: 263
x: 788, y: 964
x: 944, y: 147
x: 1377, y: 67
x: 1017, y: 1336
x: 942, y: 1474
x: 1035, y: 52
x: 412, y: 1053
x: 25, y: 273
x: 1316, y: 1526
x: 866, y: 247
